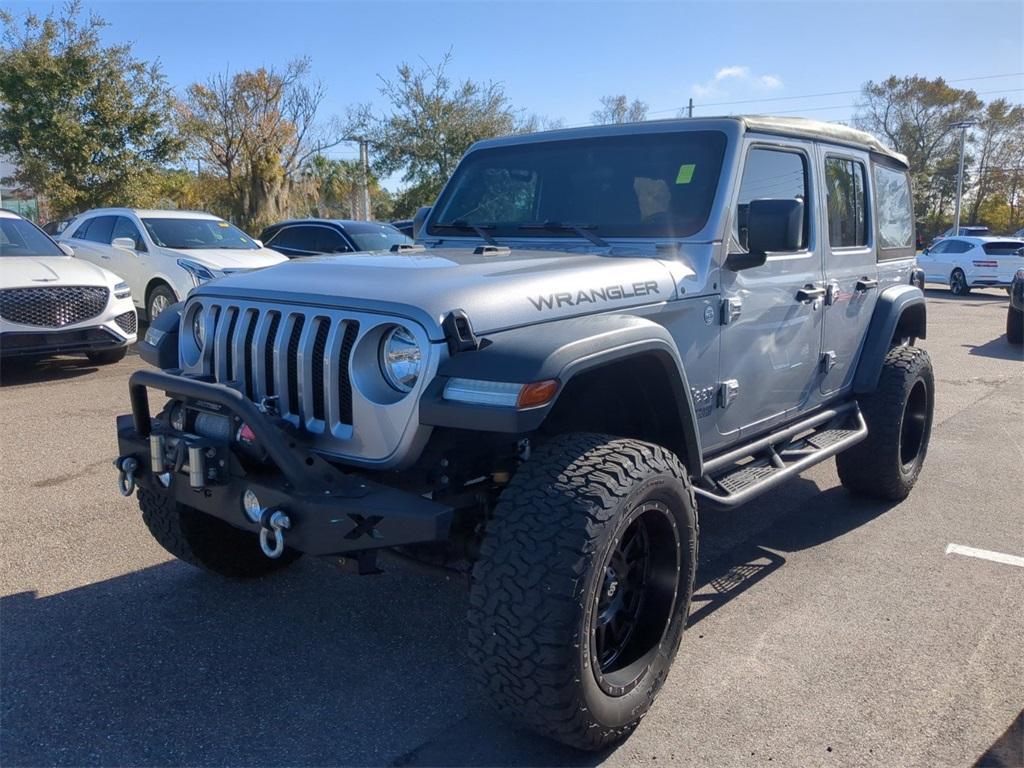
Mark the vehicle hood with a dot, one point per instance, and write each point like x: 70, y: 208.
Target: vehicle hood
x: 39, y: 271
x: 228, y: 258
x: 521, y: 287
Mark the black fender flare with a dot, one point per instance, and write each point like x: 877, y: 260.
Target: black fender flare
x: 560, y: 351
x: 894, y: 303
x: 159, y: 347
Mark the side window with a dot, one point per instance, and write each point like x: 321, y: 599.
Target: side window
x: 79, y: 233
x: 101, y: 230
x: 296, y: 238
x: 894, y: 210
x: 772, y: 174
x: 327, y: 240
x: 958, y: 246
x: 125, y: 227
x: 846, y: 201
x: 940, y: 247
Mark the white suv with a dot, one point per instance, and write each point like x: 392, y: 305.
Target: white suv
x: 51, y: 303
x: 162, y: 255
x: 964, y: 263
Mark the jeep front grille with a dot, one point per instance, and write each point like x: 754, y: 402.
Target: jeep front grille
x: 299, y: 357
x: 52, y: 307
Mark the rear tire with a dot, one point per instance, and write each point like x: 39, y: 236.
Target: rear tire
x: 583, y: 587
x: 886, y: 464
x: 107, y: 356
x: 205, y: 541
x: 958, y: 283
x: 1015, y: 326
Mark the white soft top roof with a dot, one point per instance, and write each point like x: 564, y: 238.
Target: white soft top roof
x: 818, y: 129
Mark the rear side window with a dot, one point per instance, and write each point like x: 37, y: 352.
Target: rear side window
x: 1003, y: 248
x: 894, y: 209
x: 773, y: 174
x: 847, y: 202
x: 296, y: 238
x: 957, y: 246
x: 100, y: 230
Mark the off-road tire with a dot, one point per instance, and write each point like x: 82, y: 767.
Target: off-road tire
x: 206, y: 542
x: 537, y: 585
x: 107, y: 356
x: 877, y: 467
x: 1015, y: 326
x: 958, y: 283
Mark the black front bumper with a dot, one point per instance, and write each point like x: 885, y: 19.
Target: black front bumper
x: 331, y: 512
x: 46, y: 342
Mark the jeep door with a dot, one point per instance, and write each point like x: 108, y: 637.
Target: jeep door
x: 772, y: 314
x: 851, y: 268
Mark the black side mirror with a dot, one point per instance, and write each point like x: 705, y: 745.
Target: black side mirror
x: 925, y: 251
x: 419, y: 220
x: 772, y: 226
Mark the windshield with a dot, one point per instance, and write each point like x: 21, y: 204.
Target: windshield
x: 369, y: 236
x: 189, y: 234
x: 647, y: 185
x: 21, y: 238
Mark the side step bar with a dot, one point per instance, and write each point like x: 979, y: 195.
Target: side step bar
x: 748, y: 471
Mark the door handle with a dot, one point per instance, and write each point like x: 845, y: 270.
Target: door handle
x: 809, y: 293
x: 866, y: 284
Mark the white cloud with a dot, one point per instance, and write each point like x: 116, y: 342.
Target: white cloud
x: 739, y: 76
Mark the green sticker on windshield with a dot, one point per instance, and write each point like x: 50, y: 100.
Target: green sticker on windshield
x: 685, y: 175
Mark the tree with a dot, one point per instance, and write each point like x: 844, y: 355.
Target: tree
x: 618, y: 109
x: 431, y: 122
x: 257, y: 130
x: 1000, y: 145
x: 332, y: 188
x: 915, y: 116
x: 86, y: 125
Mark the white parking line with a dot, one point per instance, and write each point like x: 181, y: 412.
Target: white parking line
x: 985, y: 554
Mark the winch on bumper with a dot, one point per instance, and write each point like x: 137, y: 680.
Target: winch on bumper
x: 228, y: 458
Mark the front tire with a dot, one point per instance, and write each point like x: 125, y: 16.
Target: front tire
x: 205, y: 541
x: 583, y: 587
x: 958, y: 283
x: 159, y: 299
x: 1014, y: 326
x: 886, y: 464
x: 107, y: 356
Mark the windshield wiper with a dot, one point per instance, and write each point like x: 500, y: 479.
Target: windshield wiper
x: 480, y: 229
x: 583, y: 230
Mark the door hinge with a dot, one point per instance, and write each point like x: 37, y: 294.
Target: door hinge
x: 828, y: 361
x: 831, y: 294
x: 731, y: 309
x: 728, y: 391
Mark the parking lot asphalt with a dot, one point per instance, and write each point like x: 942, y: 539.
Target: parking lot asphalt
x: 826, y: 630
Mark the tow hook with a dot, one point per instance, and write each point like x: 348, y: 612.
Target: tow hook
x: 273, y: 522
x: 126, y: 466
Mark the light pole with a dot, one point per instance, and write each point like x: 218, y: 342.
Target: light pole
x: 963, y: 125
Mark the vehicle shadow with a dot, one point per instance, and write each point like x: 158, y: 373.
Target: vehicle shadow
x: 983, y: 295
x: 998, y: 348
x: 19, y: 371
x: 1008, y: 750
x: 169, y: 665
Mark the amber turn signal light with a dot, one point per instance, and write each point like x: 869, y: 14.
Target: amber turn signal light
x: 537, y: 393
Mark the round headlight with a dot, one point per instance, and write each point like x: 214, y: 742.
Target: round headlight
x: 198, y: 328
x: 400, y: 358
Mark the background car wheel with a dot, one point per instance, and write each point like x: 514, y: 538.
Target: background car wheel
x: 885, y: 465
x: 958, y: 283
x: 107, y: 356
x: 160, y: 298
x: 205, y: 541
x: 583, y: 587
x: 1015, y: 326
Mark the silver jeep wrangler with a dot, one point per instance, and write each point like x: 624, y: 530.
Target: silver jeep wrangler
x: 598, y: 329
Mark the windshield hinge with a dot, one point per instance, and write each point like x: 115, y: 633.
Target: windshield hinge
x: 458, y: 332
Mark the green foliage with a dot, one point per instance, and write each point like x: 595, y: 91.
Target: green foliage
x: 332, y: 188
x: 85, y: 124
x: 256, y: 130
x: 431, y: 123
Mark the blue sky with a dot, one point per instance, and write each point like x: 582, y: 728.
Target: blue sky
x: 557, y: 59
